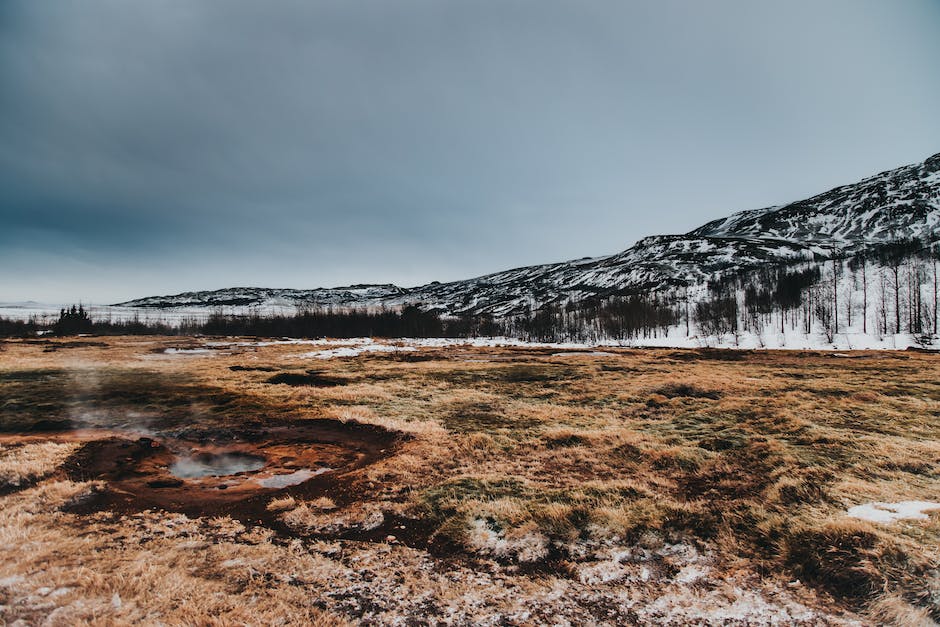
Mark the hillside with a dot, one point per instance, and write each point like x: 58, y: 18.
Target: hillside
x: 899, y: 204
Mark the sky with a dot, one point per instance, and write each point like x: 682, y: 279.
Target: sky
x: 160, y: 147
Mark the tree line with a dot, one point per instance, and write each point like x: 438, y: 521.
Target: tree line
x: 885, y: 290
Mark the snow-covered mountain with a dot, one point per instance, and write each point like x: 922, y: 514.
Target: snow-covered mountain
x: 898, y: 204
x: 652, y: 263
x: 248, y: 296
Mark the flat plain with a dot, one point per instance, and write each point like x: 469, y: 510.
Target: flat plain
x: 168, y: 480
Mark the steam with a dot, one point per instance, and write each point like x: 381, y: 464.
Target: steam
x: 207, y: 465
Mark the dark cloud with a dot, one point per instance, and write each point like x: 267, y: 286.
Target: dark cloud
x: 154, y: 147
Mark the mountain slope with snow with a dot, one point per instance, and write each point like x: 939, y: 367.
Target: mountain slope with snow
x: 898, y: 204
x: 657, y: 262
x: 251, y: 296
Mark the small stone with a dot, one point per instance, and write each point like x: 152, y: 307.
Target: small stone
x: 391, y: 539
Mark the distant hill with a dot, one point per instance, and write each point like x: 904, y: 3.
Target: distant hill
x: 896, y: 205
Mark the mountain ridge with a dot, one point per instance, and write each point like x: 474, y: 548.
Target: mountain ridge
x: 903, y: 203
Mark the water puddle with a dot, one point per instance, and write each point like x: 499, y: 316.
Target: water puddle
x: 294, y: 478
x: 215, y: 465
x: 220, y: 471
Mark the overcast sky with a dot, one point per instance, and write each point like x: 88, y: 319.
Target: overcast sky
x: 158, y: 147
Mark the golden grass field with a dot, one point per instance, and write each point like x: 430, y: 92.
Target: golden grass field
x: 521, y: 486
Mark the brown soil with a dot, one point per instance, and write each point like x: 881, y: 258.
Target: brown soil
x: 136, y: 471
x: 310, y: 378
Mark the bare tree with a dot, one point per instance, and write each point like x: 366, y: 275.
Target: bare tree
x: 864, y: 296
x: 895, y: 271
x: 935, y: 295
x: 884, y: 302
x: 835, y: 295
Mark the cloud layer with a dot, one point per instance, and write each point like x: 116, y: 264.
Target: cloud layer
x: 175, y: 145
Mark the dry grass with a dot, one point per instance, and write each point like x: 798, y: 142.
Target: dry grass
x: 893, y: 610
x: 521, y: 459
x: 186, y: 573
x: 26, y: 463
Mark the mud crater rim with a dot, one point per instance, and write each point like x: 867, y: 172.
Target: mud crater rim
x: 232, y: 471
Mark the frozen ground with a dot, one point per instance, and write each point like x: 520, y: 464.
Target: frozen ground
x: 675, y: 337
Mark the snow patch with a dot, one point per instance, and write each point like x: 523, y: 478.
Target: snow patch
x: 355, y: 351
x: 890, y: 512
x: 582, y: 353
x: 691, y: 574
x: 525, y: 544
x: 189, y: 351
